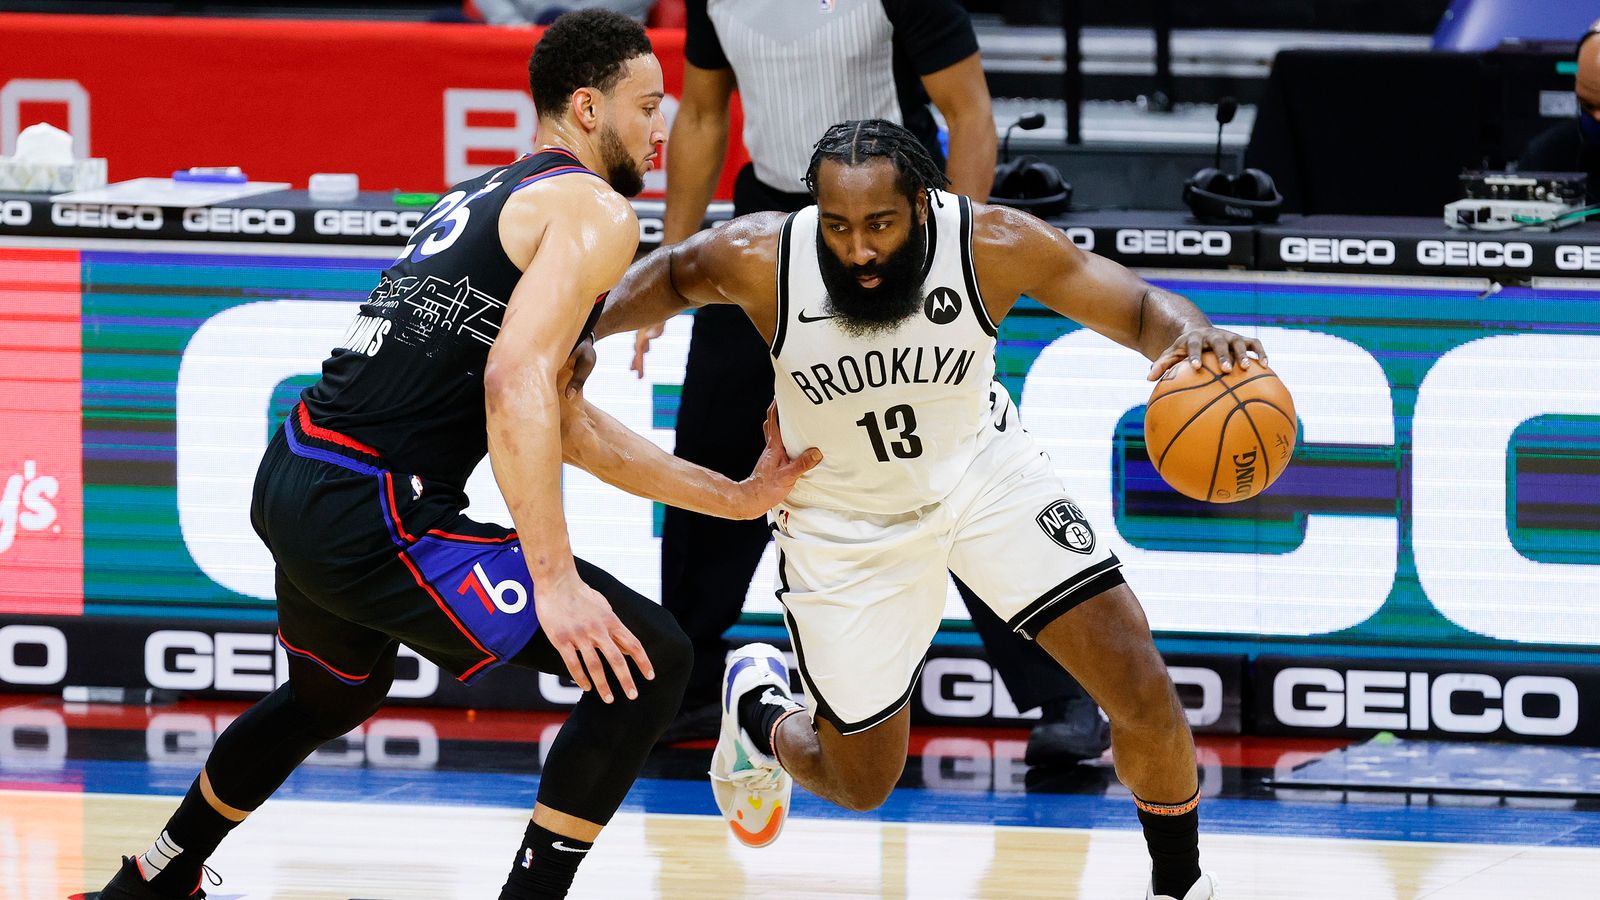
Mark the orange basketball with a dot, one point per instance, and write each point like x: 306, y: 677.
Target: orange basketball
x: 1221, y: 437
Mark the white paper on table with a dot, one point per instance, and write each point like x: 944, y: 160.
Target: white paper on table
x: 166, y: 192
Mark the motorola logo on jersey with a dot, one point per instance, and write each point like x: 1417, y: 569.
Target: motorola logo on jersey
x: 942, y: 306
x: 1066, y: 524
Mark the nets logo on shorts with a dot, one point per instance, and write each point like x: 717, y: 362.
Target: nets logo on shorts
x: 942, y: 306
x: 1065, y: 523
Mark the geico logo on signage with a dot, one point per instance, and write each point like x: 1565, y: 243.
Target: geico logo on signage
x: 112, y: 215
x: 1340, y: 251
x: 968, y: 688
x: 1181, y: 242
x: 254, y: 663
x: 32, y: 655
x: 1453, y: 702
x: 1578, y: 258
x: 15, y: 213
x: 226, y: 220
x: 366, y: 222
x: 1482, y: 254
x: 1473, y: 398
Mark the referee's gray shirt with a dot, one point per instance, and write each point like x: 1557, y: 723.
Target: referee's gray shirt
x: 804, y: 65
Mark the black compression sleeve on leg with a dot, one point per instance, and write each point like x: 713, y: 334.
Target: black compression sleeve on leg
x: 256, y: 753
x: 601, y: 748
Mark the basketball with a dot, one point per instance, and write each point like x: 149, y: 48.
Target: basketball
x: 1220, y: 436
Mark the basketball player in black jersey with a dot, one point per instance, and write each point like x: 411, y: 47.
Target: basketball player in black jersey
x: 466, y: 347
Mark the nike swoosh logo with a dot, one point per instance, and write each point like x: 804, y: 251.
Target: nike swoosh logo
x: 806, y: 318
x: 559, y: 846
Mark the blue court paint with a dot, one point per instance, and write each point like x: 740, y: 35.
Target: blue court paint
x: 1396, y: 817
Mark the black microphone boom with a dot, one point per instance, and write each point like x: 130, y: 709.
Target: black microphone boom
x: 1030, y: 122
x: 1226, y: 108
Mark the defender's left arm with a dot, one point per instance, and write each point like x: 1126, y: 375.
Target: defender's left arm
x: 1018, y: 254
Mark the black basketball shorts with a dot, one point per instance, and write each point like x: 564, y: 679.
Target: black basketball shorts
x: 366, y: 556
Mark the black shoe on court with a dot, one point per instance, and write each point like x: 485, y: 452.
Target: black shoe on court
x: 129, y: 884
x: 1070, y: 732
x: 1204, y: 889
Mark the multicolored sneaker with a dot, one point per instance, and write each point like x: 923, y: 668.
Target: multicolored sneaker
x: 751, y: 789
x: 1204, y: 889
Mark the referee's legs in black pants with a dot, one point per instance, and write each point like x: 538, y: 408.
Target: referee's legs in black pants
x: 707, y: 563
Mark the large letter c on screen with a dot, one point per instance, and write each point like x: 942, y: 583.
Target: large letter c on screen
x: 1079, y: 389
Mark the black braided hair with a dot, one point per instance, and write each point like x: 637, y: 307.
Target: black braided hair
x: 859, y: 140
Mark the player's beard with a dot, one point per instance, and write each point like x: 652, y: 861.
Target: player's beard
x: 622, y: 170
x: 864, y: 311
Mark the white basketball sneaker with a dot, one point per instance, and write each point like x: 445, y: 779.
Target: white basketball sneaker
x: 752, y: 790
x: 1204, y: 889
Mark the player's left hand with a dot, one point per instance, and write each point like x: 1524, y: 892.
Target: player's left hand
x: 1192, y: 343
x: 575, y: 371
x: 775, y: 473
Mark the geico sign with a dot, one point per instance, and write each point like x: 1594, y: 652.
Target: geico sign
x: 1337, y: 251
x: 1180, y: 242
x: 230, y: 661
x: 1482, y: 254
x: 1079, y: 388
x: 967, y: 688
x: 15, y: 213
x: 230, y: 220
x: 43, y: 663
x: 1419, y: 701
x: 1578, y: 258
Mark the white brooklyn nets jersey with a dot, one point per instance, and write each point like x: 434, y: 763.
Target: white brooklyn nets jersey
x: 899, y: 415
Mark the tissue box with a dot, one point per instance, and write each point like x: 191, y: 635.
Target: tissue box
x: 34, y: 177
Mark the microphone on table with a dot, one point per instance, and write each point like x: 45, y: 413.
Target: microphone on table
x: 1227, y: 107
x: 1219, y: 197
x: 1028, y: 182
x: 1030, y: 122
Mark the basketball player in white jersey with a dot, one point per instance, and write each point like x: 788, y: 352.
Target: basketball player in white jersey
x: 880, y: 305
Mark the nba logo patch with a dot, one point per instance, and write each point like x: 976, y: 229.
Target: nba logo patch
x: 1065, y: 523
x: 825, y: 5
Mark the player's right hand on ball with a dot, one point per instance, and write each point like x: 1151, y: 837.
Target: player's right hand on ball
x: 579, y: 622
x: 776, y: 472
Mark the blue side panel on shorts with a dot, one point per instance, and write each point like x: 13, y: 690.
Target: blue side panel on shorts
x: 486, y: 585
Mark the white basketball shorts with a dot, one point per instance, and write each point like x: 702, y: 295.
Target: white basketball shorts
x: 864, y: 594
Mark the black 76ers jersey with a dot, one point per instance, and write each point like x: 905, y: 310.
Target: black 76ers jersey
x: 407, y: 380
x: 898, y: 415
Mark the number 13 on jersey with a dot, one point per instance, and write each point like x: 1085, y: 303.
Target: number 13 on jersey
x: 900, y: 419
